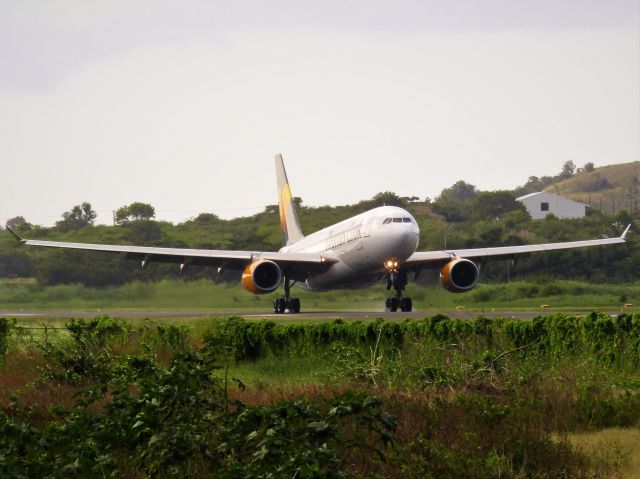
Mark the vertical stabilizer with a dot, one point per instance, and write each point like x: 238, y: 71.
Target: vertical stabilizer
x: 288, y: 217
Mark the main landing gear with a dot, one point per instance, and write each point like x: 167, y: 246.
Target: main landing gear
x: 282, y: 305
x: 397, y: 280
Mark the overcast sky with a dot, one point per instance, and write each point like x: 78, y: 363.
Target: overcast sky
x: 184, y: 104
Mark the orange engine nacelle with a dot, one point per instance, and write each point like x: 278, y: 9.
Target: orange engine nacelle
x: 261, y: 277
x: 459, y: 275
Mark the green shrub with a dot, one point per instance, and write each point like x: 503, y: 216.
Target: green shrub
x: 171, y: 421
x: 5, y: 331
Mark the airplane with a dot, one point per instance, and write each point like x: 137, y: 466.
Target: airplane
x: 355, y: 253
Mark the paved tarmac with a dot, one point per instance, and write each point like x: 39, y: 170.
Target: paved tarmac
x: 318, y: 315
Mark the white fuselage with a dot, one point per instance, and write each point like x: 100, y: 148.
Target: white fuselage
x: 361, y: 245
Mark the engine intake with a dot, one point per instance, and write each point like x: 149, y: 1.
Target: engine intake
x: 261, y: 277
x: 459, y: 275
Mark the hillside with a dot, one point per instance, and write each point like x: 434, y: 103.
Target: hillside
x: 608, y: 189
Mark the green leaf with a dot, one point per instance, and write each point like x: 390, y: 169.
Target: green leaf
x: 318, y: 426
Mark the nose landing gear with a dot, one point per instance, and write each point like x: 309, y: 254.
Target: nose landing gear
x: 286, y: 304
x: 397, y: 280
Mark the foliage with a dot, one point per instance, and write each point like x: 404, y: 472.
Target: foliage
x: 132, y: 415
x: 87, y: 358
x: 454, y: 202
x: 495, y: 204
x: 255, y: 339
x: 206, y: 218
x: 435, y: 397
x: 78, y: 217
x: 18, y: 223
x: 5, y: 330
x: 608, y: 340
x: 568, y: 169
x: 136, y: 211
x: 388, y: 198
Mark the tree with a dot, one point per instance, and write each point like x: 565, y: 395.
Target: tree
x: 454, y: 202
x: 134, y: 212
x: 460, y: 190
x: 490, y: 205
x: 18, y: 223
x: 588, y: 167
x: 388, y: 198
x: 79, y: 217
x: 143, y: 232
x: 206, y: 218
x: 533, y: 185
x: 568, y: 169
x: 271, y: 209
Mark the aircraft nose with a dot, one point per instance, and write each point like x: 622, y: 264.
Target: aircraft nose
x: 412, y: 237
x: 407, y: 241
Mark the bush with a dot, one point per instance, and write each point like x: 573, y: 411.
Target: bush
x: 5, y: 331
x: 174, y: 420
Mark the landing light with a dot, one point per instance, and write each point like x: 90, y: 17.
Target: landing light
x: 391, y: 265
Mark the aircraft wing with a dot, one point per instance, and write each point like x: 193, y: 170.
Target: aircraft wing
x: 201, y: 257
x: 437, y: 257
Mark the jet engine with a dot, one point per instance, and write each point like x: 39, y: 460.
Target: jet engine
x: 261, y: 277
x: 459, y: 275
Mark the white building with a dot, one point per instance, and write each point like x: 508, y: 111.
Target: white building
x: 542, y: 203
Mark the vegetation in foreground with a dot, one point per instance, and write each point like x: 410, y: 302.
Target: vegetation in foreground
x: 421, y: 398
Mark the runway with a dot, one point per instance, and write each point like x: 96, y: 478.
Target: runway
x: 248, y: 314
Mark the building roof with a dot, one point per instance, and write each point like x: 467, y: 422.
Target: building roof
x: 546, y: 193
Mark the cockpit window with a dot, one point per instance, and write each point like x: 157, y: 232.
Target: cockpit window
x: 397, y: 220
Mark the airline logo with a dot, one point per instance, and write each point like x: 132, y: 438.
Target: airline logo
x: 288, y: 218
x: 285, y: 207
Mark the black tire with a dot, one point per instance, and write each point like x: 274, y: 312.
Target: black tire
x: 294, y: 306
x: 393, y: 304
x: 406, y: 305
x: 279, y: 305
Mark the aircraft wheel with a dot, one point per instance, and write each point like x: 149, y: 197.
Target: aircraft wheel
x: 406, y: 305
x: 279, y: 305
x: 391, y: 304
x: 294, y: 305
